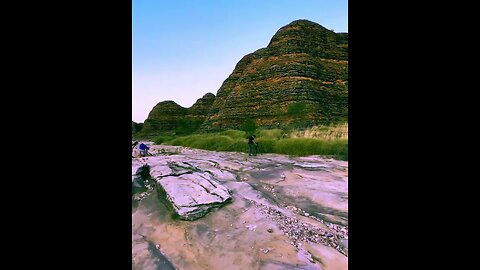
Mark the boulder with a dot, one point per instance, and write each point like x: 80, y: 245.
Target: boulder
x: 193, y: 195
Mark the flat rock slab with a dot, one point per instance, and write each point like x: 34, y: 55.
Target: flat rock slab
x: 194, y: 195
x: 191, y: 191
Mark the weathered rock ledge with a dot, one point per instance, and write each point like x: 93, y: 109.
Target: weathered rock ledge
x: 188, y: 190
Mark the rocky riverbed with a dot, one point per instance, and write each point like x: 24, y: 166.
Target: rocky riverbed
x: 197, y: 209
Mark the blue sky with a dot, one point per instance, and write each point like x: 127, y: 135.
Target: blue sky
x: 183, y: 49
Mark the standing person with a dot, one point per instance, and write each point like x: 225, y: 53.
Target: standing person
x: 252, y: 151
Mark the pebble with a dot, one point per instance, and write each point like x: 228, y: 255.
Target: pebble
x: 298, y: 231
x: 265, y: 250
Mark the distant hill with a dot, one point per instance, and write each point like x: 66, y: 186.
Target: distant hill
x: 136, y: 127
x: 169, y: 116
x: 300, y: 79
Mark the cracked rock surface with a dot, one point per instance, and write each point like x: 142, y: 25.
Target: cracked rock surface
x: 191, y: 189
x: 238, y: 212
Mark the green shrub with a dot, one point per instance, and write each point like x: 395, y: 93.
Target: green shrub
x: 270, y: 141
x: 309, y: 146
x: 249, y: 126
x: 270, y: 133
x: 296, y: 109
x: 161, y: 139
x: 239, y: 145
x: 187, y: 126
x: 266, y: 145
x: 234, y: 134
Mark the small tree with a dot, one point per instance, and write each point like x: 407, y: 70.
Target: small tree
x: 249, y: 126
x: 187, y: 126
x: 296, y: 109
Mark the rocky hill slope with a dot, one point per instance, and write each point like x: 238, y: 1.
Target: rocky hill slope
x: 300, y: 79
